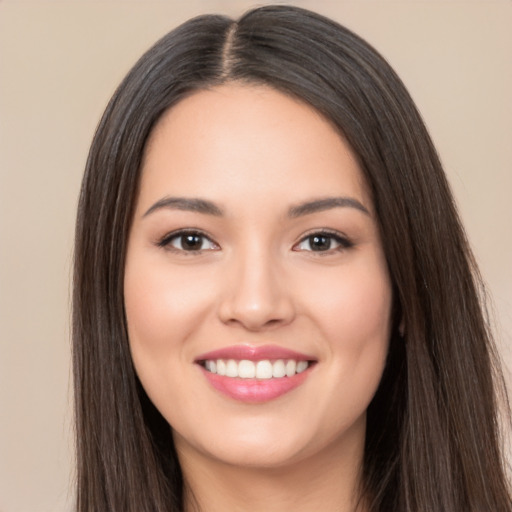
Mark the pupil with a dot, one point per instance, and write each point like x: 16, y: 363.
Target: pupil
x: 320, y: 243
x: 192, y: 242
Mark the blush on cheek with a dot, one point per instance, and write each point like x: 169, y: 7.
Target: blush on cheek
x: 163, y: 307
x: 357, y: 313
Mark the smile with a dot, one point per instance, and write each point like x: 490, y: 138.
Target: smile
x: 255, y: 374
x: 265, y: 369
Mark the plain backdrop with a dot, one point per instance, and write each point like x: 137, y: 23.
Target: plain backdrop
x: 60, y: 62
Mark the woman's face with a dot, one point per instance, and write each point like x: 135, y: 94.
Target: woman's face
x: 254, y: 253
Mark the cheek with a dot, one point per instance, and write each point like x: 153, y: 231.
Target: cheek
x: 355, y: 319
x: 162, y: 306
x: 353, y: 308
x: 162, y: 312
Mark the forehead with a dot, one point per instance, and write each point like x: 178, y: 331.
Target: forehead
x: 247, y: 140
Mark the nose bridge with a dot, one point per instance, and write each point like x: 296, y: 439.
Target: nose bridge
x: 256, y: 294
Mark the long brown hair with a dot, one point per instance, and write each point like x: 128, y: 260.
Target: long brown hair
x: 432, y: 436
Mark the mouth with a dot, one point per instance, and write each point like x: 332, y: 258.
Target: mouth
x: 255, y: 374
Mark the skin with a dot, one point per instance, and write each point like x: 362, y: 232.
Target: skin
x: 256, y: 153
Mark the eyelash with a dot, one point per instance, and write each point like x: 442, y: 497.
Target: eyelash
x: 165, y: 242
x: 342, y: 241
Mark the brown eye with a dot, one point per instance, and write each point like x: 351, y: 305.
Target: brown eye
x: 319, y: 242
x: 323, y: 242
x: 188, y: 241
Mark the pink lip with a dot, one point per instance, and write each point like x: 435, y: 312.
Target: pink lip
x: 254, y: 390
x: 254, y: 353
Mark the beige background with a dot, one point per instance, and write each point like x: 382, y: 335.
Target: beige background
x: 60, y: 62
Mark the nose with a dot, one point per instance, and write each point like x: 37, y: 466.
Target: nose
x: 256, y: 295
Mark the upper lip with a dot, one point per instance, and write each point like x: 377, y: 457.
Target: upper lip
x: 254, y: 353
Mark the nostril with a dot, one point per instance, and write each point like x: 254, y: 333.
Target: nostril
x: 254, y: 324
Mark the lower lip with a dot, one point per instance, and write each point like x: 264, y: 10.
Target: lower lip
x: 255, y: 391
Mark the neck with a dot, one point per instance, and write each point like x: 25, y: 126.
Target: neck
x: 328, y: 481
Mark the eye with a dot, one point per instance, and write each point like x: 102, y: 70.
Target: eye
x: 323, y: 241
x: 188, y: 241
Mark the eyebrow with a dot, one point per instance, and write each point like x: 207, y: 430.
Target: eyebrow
x: 327, y: 203
x: 209, y: 208
x: 186, y: 204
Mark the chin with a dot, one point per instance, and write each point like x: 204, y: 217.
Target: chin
x: 257, y: 455
x: 270, y: 444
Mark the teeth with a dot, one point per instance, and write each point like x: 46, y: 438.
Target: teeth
x: 262, y: 370
x: 246, y: 369
x: 301, y: 366
x: 221, y: 367
x: 278, y: 369
x: 291, y: 366
x: 211, y: 366
x: 231, y: 368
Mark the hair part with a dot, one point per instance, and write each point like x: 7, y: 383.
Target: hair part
x: 432, y: 436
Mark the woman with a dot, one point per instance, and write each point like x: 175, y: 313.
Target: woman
x: 275, y: 305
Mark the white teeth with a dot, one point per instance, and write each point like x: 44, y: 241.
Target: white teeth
x: 262, y: 370
x: 231, y: 368
x: 278, y: 369
x: 301, y: 366
x: 291, y: 365
x: 211, y: 366
x: 221, y: 367
x: 246, y: 369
